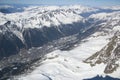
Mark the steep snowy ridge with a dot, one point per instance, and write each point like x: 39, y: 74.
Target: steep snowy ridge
x: 77, y: 8
x: 37, y: 17
x: 109, y: 55
x: 109, y: 22
x: 37, y: 20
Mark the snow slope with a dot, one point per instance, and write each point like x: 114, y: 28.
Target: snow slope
x: 69, y: 65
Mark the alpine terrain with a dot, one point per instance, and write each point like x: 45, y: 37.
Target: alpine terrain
x: 71, y: 42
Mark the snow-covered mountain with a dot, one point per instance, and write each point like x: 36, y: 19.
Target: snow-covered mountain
x: 109, y: 55
x: 21, y: 29
x: 63, y: 38
x: 73, y: 64
x: 37, y: 17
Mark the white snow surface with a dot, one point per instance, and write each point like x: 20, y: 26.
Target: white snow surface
x: 112, y: 7
x: 106, y: 16
x: 69, y: 65
x: 39, y: 16
x: 117, y: 28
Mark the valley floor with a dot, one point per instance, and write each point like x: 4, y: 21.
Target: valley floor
x: 69, y: 65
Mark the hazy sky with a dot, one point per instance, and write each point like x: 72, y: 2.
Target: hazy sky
x: 64, y: 2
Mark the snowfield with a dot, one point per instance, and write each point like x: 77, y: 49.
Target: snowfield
x: 69, y: 65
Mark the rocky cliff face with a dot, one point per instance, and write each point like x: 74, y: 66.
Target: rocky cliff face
x: 109, y: 55
x: 9, y: 43
x: 12, y: 38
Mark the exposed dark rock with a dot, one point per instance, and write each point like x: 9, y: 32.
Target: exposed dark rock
x: 103, y: 78
x: 109, y: 55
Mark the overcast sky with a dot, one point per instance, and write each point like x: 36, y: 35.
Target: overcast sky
x: 64, y: 2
